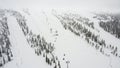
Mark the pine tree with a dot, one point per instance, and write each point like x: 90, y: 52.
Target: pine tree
x: 46, y: 59
x: 55, y: 66
x: 59, y: 64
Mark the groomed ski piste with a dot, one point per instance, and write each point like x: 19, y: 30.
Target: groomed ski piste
x: 54, y: 38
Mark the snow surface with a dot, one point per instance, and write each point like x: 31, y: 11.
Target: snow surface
x: 24, y: 56
x: 67, y: 45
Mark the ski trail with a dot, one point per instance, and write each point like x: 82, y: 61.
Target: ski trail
x: 74, y: 49
x: 24, y: 56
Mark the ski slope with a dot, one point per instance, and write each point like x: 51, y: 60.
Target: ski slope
x: 24, y: 56
x: 68, y: 46
x: 78, y: 51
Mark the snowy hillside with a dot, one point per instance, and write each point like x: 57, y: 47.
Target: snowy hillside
x: 110, y: 23
x: 55, y: 38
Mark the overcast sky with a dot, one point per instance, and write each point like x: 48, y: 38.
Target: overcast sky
x: 112, y: 5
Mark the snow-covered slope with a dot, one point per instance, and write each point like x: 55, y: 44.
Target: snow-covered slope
x: 58, y: 39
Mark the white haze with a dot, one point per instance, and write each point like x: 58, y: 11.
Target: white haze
x: 89, y: 5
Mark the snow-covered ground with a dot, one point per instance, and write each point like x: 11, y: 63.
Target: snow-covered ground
x: 24, y: 56
x: 68, y: 46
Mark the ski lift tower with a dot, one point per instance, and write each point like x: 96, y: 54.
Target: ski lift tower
x: 67, y: 62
